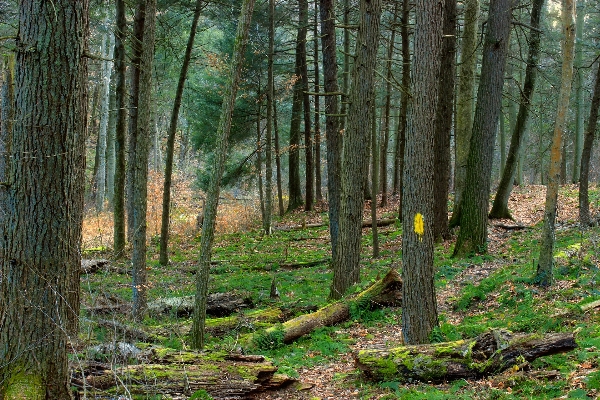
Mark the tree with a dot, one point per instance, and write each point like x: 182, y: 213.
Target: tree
x: 584, y: 201
x: 346, y: 262
x: 419, y: 312
x: 308, y: 142
x: 166, y: 203
x: 474, y: 207
x: 142, y: 149
x: 317, y: 146
x: 269, y: 133
x: 332, y: 118
x: 41, y: 235
x: 464, y: 102
x: 212, y: 196
x: 579, y: 88
x: 500, y: 205
x: 543, y: 275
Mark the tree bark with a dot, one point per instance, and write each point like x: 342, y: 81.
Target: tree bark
x: 543, y: 275
x: 7, y: 117
x: 308, y: 141
x: 490, y: 353
x: 40, y: 236
x: 212, y: 197
x: 374, y: 183
x: 579, y: 88
x: 419, y: 310
x: 346, y: 261
x: 269, y: 133
x: 166, y: 201
x: 317, y: 146
x: 475, y: 203
x: 500, y: 205
x: 277, y: 159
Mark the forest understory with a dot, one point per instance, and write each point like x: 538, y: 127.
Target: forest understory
x: 474, y: 294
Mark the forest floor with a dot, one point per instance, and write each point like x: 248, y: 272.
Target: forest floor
x: 484, y: 291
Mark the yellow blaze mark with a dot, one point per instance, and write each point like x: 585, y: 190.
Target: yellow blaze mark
x: 419, y: 225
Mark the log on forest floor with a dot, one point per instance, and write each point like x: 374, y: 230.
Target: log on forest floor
x: 365, y: 224
x: 180, y: 373
x: 304, y: 264
x: 218, y: 304
x: 385, y: 292
x: 490, y: 353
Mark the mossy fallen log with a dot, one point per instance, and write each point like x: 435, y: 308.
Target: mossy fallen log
x: 218, y: 304
x: 385, y: 292
x: 490, y: 353
x: 181, y: 373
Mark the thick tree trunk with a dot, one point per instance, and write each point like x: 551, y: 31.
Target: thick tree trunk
x: 443, y: 124
x: 464, y: 103
x: 419, y: 310
x: 346, y: 261
x: 166, y: 201
x: 40, y: 236
x: 500, y: 205
x: 121, y: 129
x: 142, y: 149
x: 584, y: 201
x: 544, y: 268
x: 489, y: 353
x: 475, y: 203
x: 332, y: 118
x: 212, y: 196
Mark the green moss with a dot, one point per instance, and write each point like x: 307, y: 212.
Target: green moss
x: 24, y: 386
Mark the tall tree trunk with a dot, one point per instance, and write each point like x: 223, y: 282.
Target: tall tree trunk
x: 308, y: 142
x: 41, y: 234
x: 277, y: 160
x: 120, y: 132
x: 258, y: 163
x: 443, y: 124
x: 346, y: 262
x: 347, y: 62
x: 142, y: 149
x: 464, y: 103
x: 212, y: 198
x: 107, y: 52
x: 579, y: 88
x: 474, y: 212
x: 269, y: 133
x: 166, y: 201
x: 317, y: 147
x: 110, y: 142
x: 544, y: 268
x: 7, y: 117
x: 332, y: 118
x: 374, y: 182
x: 419, y: 312
x: 584, y: 202
x: 500, y: 205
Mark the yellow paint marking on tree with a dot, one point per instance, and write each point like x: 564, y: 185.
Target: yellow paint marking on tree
x: 419, y: 226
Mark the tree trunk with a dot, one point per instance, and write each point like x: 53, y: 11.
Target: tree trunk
x: 7, y: 117
x: 584, y: 202
x: 212, y: 196
x: 166, y: 201
x: 269, y: 133
x: 317, y: 147
x: 443, y: 124
x: 475, y: 203
x: 308, y: 142
x: 332, y: 118
x: 142, y: 148
x: 374, y: 183
x: 500, y: 205
x: 110, y: 141
x: 579, y: 88
x: 277, y: 159
x: 419, y: 311
x: 347, y: 62
x: 464, y: 103
x: 544, y: 268
x: 121, y: 129
x: 41, y: 233
x: 490, y: 353
x: 346, y: 261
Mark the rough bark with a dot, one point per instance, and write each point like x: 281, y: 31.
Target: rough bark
x: 490, y: 353
x: 374, y: 184
x: 110, y: 141
x: 166, y: 201
x: 579, y: 88
x: 269, y: 133
x: 7, y: 116
x: 308, y: 141
x: 419, y: 312
x: 500, y: 205
x: 346, y: 261
x: 212, y: 196
x: 590, y: 133
x: 142, y: 149
x: 544, y: 268
x: 317, y: 125
x: 332, y: 118
x: 464, y: 103
x: 443, y: 124
x: 277, y: 160
x: 475, y: 203
x: 40, y: 237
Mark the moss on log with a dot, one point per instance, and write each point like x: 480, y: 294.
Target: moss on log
x: 489, y: 353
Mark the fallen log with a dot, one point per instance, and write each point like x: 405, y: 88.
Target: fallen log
x: 181, y: 373
x: 304, y: 264
x: 490, y: 353
x: 92, y: 266
x: 365, y: 224
x: 218, y: 304
x: 385, y: 292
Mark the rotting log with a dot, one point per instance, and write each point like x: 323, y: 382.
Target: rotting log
x: 490, y: 353
x: 304, y: 264
x: 93, y: 266
x: 181, y: 373
x: 385, y: 292
x: 365, y: 224
x: 218, y: 305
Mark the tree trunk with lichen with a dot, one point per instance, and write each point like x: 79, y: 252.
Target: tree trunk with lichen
x: 490, y: 353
